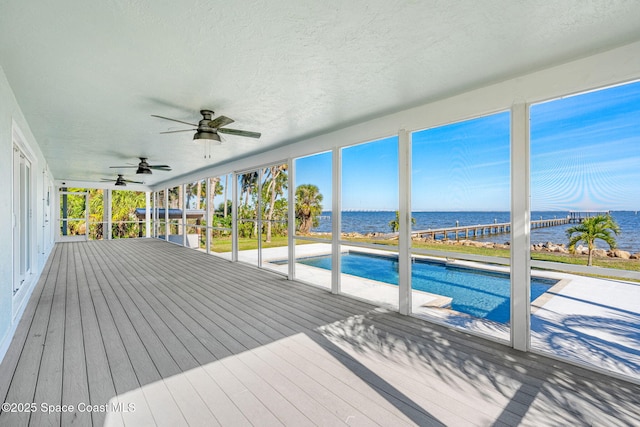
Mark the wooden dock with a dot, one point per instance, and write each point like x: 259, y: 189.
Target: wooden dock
x: 576, y: 217
x: 472, y: 231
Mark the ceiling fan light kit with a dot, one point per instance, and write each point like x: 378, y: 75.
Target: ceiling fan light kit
x: 145, y: 171
x: 145, y: 168
x: 121, y: 182
x: 211, y: 136
x: 208, y: 127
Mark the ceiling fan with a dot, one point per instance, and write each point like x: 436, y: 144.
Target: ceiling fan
x: 144, y: 167
x: 121, y: 181
x: 208, y: 127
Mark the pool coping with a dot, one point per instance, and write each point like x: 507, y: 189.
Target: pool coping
x: 539, y: 302
x: 437, y: 301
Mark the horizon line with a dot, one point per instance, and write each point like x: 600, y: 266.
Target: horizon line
x: 482, y: 210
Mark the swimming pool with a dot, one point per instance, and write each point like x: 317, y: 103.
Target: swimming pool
x: 480, y: 293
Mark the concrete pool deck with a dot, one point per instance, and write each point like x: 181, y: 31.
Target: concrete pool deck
x: 583, y: 319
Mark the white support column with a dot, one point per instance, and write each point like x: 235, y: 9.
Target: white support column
x: 404, y: 229
x: 520, y: 229
x: 183, y: 203
x: 147, y: 214
x: 167, y: 227
x: 336, y: 219
x: 291, y: 226
x: 259, y: 215
x: 234, y: 219
x: 155, y: 214
x: 56, y: 212
x: 208, y: 220
x: 107, y: 214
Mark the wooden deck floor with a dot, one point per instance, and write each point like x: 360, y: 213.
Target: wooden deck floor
x: 150, y: 333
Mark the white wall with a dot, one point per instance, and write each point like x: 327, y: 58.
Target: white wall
x: 11, y: 117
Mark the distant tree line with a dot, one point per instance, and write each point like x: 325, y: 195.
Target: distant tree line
x: 265, y: 200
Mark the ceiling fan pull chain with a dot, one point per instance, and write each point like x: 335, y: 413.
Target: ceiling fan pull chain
x: 207, y: 150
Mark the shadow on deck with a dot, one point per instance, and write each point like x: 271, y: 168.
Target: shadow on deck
x: 133, y: 332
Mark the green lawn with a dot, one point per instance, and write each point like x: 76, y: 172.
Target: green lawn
x: 617, y: 263
x: 224, y: 245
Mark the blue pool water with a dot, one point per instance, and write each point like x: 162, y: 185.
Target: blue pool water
x: 478, y: 293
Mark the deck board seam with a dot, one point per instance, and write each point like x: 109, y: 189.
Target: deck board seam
x: 89, y: 314
x: 47, y: 345
x: 230, y: 336
x: 219, y: 278
x: 180, y: 321
x: 139, y: 367
x: 171, y: 295
x: 12, y: 358
x: 105, y: 322
x: 203, y: 310
x: 70, y: 333
x: 138, y: 320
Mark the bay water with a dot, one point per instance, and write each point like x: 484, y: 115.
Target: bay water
x: 378, y: 222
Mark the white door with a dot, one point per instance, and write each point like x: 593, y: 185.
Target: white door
x: 22, y: 222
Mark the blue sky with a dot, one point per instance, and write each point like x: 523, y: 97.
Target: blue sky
x: 585, y: 151
x: 585, y: 155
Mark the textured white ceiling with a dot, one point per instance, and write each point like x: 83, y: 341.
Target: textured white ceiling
x: 88, y: 74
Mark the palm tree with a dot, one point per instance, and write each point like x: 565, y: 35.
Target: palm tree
x: 276, y: 183
x: 597, y: 227
x: 395, y: 223
x: 308, y: 207
x: 248, y: 184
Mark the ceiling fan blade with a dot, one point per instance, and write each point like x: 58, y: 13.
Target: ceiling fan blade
x: 108, y: 180
x: 160, y: 167
x: 118, y: 167
x: 220, y: 121
x: 240, y: 132
x: 133, y: 182
x: 174, y: 120
x: 182, y: 130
